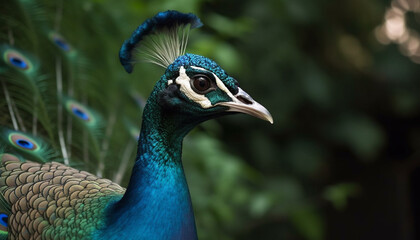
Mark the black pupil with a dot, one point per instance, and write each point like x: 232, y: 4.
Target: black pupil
x: 78, y: 112
x: 201, y: 83
x: 4, y: 219
x: 23, y: 143
x: 16, y: 60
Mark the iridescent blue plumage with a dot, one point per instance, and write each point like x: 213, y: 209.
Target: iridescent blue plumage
x: 157, y: 203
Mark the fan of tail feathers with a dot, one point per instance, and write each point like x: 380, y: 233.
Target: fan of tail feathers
x: 57, y: 100
x: 62, y: 95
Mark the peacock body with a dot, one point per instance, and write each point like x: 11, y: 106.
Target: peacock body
x: 44, y: 196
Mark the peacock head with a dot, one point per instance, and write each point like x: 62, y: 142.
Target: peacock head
x: 198, y: 86
x: 193, y: 85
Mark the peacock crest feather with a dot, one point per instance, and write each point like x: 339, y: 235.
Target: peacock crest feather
x: 163, y: 39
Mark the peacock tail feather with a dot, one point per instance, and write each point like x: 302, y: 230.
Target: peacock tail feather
x: 63, y: 84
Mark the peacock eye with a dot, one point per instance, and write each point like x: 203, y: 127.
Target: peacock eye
x: 80, y: 113
x: 23, y: 142
x: 3, y: 219
x: 17, y: 61
x: 61, y: 43
x: 201, y: 83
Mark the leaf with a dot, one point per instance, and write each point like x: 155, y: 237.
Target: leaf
x: 309, y: 223
x: 339, y: 194
x: 361, y: 134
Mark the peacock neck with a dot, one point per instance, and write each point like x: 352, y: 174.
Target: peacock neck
x: 157, y: 203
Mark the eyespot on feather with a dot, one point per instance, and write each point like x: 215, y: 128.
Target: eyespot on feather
x: 60, y: 42
x: 17, y: 60
x: 25, y: 146
x: 83, y: 114
x: 4, y: 221
x: 79, y: 111
x: 23, y: 142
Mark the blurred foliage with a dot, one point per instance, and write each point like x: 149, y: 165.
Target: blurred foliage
x: 344, y: 105
x: 338, y: 194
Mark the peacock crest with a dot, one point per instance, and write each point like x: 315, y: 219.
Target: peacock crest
x: 159, y: 40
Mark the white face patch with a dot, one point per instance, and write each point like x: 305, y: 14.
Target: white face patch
x: 185, y: 86
x: 184, y: 81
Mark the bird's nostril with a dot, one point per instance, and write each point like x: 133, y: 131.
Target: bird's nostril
x: 244, y: 100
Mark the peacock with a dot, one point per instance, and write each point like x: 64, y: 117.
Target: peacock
x: 44, y: 194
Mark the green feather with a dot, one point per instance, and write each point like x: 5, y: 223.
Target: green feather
x: 87, y: 129
x: 35, y: 31
x: 26, y: 87
x: 132, y: 129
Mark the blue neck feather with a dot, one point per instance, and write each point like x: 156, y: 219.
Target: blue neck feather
x: 157, y: 202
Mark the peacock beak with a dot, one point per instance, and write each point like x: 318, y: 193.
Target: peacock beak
x: 244, y: 103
